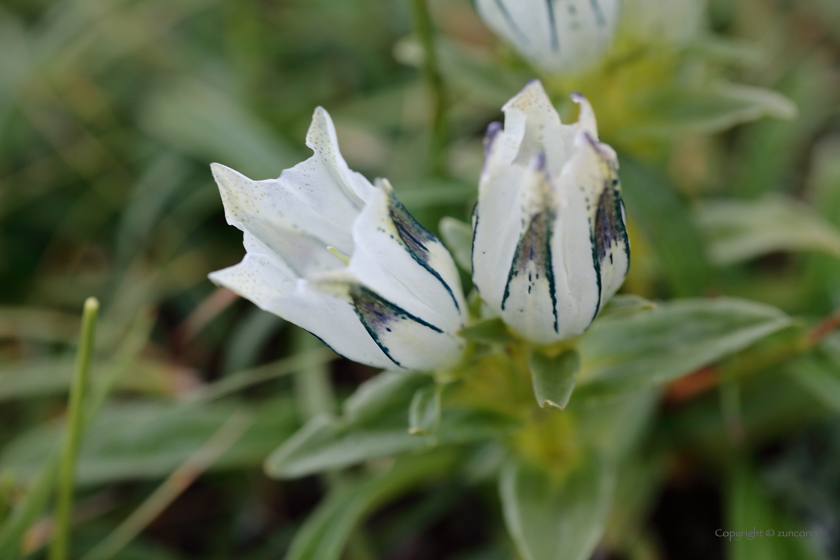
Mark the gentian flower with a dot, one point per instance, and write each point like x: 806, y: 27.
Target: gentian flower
x: 549, y: 240
x: 343, y: 259
x: 557, y: 36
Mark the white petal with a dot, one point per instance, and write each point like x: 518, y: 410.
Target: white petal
x: 498, y: 225
x: 262, y: 275
x: 532, y: 126
x: 590, y: 245
x: 561, y: 36
x: 320, y: 197
x: 409, y: 341
x: 586, y: 118
x: 263, y: 278
x: 529, y: 299
x: 405, y: 263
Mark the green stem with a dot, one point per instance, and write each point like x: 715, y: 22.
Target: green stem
x: 437, y: 89
x: 75, y: 422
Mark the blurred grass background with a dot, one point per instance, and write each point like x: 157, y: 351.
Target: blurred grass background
x: 111, y: 111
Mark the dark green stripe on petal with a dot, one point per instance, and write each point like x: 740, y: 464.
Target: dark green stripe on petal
x: 534, y: 249
x: 379, y: 316
x: 417, y: 240
x: 609, y: 227
x: 609, y: 224
x: 552, y: 26
x: 600, y: 20
x: 511, y: 24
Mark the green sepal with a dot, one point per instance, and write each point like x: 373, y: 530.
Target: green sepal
x: 424, y: 411
x: 554, y: 377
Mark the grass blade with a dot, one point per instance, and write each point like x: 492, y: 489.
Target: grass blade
x: 75, y: 426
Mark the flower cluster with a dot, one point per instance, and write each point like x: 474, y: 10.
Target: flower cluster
x: 343, y: 258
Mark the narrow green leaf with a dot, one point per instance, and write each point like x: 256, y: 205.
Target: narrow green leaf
x: 738, y: 230
x: 554, y: 378
x: 79, y: 394
x: 424, y: 412
x: 625, y: 303
x: 388, y: 391
x: 326, y: 444
x: 325, y: 533
x: 636, y: 350
x: 705, y: 110
x: 490, y: 331
x: 556, y: 519
x: 457, y: 236
x: 148, y: 439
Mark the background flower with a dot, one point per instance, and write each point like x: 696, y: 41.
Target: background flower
x: 557, y: 36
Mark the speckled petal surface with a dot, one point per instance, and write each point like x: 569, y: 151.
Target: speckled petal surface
x: 319, y: 197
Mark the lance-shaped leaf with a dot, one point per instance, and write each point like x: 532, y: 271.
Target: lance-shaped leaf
x: 739, y: 230
x: 554, y: 517
x: 650, y: 347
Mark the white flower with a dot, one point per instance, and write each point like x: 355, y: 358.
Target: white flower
x: 549, y: 240
x: 343, y: 259
x: 557, y: 36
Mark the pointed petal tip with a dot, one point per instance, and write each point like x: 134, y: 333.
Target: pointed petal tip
x: 322, y: 125
x: 533, y: 88
x: 586, y: 118
x: 383, y: 184
x: 224, y: 175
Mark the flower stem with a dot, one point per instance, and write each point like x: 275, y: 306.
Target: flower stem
x: 73, y: 434
x: 434, y: 83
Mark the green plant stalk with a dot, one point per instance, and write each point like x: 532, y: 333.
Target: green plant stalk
x: 39, y: 491
x: 437, y: 89
x: 75, y: 425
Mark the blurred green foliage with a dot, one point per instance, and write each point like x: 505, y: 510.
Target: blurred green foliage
x: 111, y: 111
